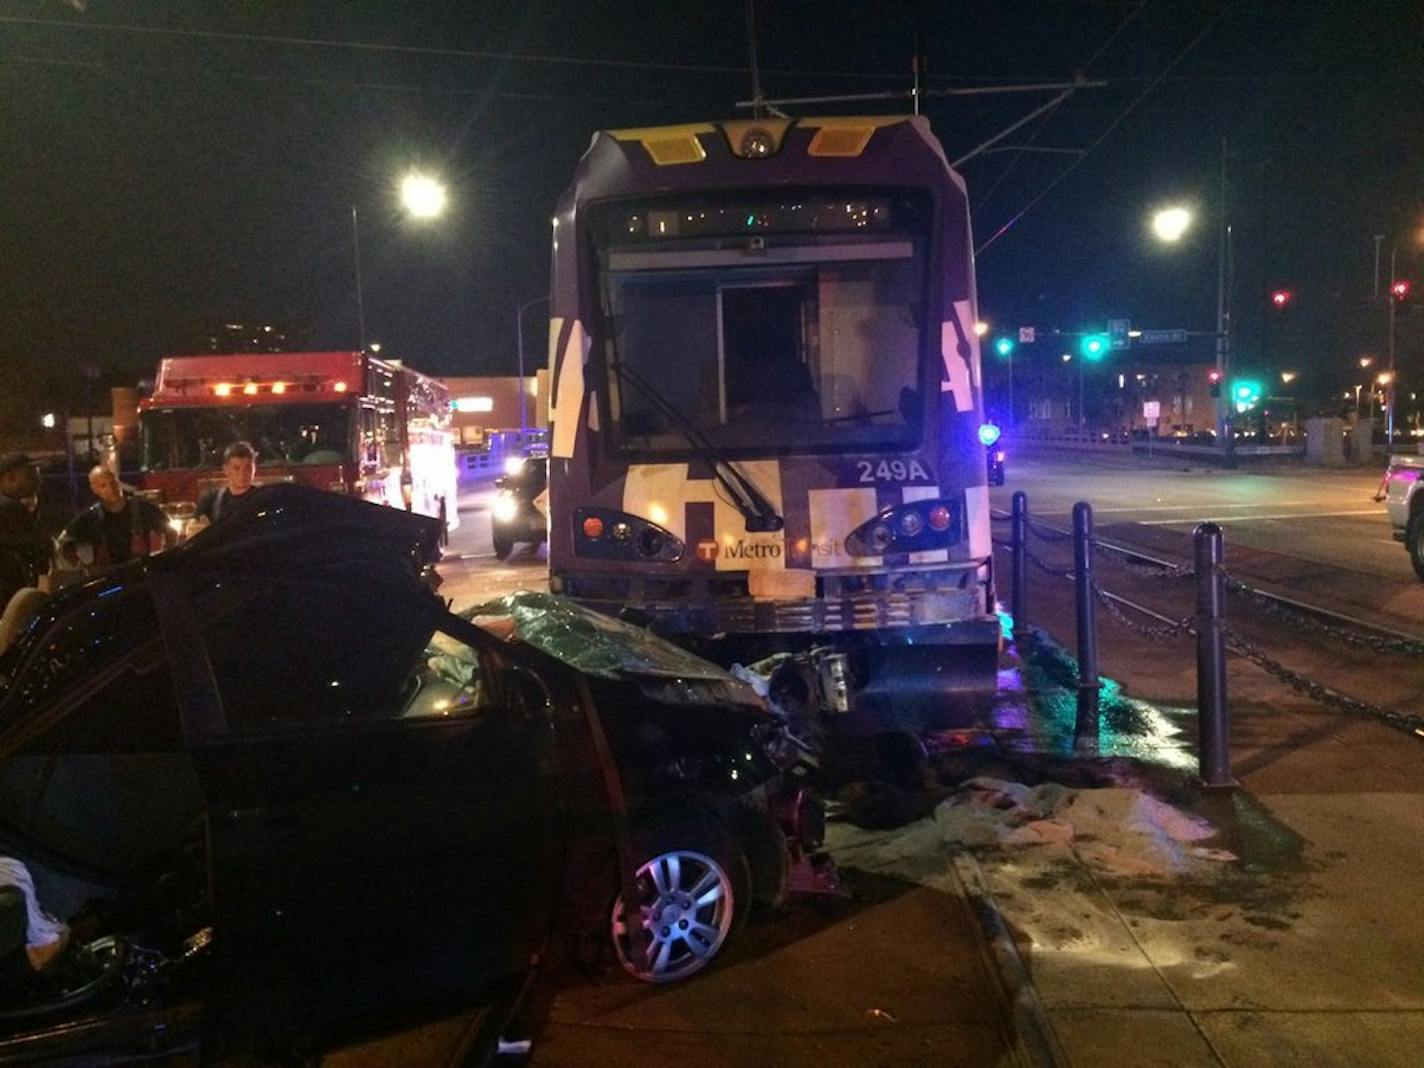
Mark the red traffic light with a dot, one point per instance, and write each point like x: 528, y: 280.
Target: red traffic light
x: 1281, y: 297
x: 1400, y: 289
x: 1213, y: 377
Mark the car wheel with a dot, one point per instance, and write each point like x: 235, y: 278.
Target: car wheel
x: 694, y: 889
x: 503, y: 545
x: 1414, y: 542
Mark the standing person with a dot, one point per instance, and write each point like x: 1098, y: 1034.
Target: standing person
x: 239, y: 469
x: 117, y: 528
x: 24, y: 550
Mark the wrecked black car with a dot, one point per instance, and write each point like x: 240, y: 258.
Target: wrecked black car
x: 268, y: 782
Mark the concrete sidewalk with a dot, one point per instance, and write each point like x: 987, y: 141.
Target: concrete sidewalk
x: 1305, y: 947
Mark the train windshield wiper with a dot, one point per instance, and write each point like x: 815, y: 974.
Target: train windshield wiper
x: 760, y: 513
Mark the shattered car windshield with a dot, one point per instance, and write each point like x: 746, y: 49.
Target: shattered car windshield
x: 591, y: 643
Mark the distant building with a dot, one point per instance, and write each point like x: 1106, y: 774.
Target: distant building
x: 486, y: 406
x: 223, y: 336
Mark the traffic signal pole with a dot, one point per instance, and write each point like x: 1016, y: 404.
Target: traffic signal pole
x: 1223, y: 323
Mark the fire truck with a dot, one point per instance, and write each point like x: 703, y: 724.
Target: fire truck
x: 341, y: 421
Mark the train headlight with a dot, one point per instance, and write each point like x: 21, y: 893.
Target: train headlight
x: 907, y: 528
x: 629, y: 537
x: 757, y: 144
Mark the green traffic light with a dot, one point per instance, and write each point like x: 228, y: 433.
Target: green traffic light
x: 1093, y: 346
x: 1004, y: 346
x: 1246, y: 393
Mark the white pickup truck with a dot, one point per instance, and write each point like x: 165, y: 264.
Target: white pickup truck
x: 1404, y: 502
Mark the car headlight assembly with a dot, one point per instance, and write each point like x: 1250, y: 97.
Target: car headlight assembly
x: 506, y: 508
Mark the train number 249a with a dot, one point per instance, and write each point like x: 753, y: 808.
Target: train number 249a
x: 892, y: 471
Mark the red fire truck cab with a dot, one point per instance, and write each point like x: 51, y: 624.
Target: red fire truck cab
x: 341, y: 421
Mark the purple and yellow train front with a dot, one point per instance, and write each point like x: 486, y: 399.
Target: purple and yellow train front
x: 766, y: 397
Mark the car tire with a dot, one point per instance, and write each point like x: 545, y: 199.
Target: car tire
x: 1414, y: 542
x: 694, y: 887
x: 503, y: 545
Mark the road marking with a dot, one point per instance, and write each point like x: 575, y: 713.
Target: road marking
x: 1253, y: 518
x: 1189, y: 507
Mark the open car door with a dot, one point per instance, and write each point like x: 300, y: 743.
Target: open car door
x: 383, y: 796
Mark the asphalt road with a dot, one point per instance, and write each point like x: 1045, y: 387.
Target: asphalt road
x: 1324, y: 516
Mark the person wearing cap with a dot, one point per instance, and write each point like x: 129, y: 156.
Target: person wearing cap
x: 239, y: 469
x: 117, y: 528
x: 24, y: 550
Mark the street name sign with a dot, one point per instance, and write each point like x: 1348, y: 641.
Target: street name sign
x: 1163, y: 337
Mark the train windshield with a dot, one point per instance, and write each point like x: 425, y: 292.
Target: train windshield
x: 787, y: 324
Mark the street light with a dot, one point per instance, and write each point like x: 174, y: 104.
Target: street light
x: 1169, y: 224
x: 422, y: 197
x: 981, y: 328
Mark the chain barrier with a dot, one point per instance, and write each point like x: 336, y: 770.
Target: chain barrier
x: 1146, y: 630
x: 1046, y: 568
x: 1120, y: 558
x: 1048, y: 533
x: 1319, y: 692
x: 1284, y: 612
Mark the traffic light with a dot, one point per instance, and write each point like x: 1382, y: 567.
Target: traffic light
x: 1245, y: 394
x: 1004, y: 347
x: 1214, y: 381
x: 1093, y: 346
x: 1281, y: 297
x: 1400, y: 288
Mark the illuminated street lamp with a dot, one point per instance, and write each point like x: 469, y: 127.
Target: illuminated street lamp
x: 1366, y: 361
x: 1287, y: 377
x: 423, y: 198
x: 1169, y: 224
x: 981, y: 328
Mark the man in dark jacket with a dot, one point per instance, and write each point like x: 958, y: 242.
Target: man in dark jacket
x: 24, y: 550
x: 240, y: 471
x: 117, y: 528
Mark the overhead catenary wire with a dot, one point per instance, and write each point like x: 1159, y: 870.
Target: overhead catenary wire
x: 1033, y: 137
x: 1121, y: 118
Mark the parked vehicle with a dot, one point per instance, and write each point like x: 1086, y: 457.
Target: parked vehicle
x: 1405, y: 506
x: 520, y: 505
x: 270, y: 786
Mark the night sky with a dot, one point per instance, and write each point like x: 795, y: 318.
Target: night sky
x: 167, y: 162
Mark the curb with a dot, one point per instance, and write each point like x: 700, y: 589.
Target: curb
x: 1035, y: 1043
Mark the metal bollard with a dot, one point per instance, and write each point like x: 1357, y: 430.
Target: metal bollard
x: 1085, y: 728
x: 1214, y: 745
x: 1018, y: 606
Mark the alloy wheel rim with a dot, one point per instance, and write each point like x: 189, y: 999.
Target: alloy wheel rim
x: 685, y: 909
